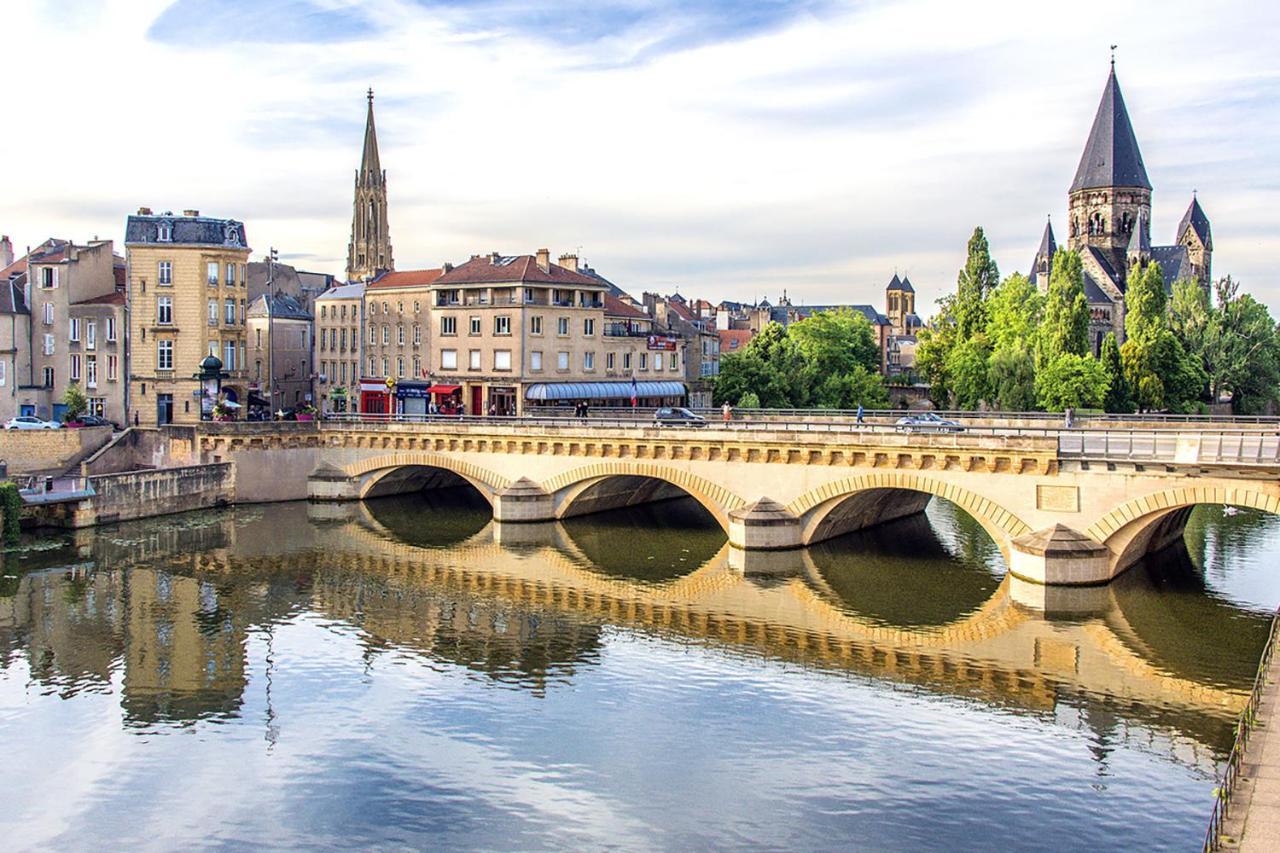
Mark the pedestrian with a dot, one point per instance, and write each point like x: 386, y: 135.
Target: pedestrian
x: 726, y: 412
x: 860, y: 414
x: 1068, y: 415
x: 493, y: 409
x: 582, y: 411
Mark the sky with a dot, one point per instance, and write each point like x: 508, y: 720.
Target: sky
x: 730, y: 149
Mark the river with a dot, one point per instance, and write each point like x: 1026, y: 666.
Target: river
x: 406, y: 673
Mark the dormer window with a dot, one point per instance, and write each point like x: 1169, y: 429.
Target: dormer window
x: 231, y: 234
x: 164, y: 232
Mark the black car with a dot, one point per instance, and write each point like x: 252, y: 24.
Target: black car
x: 94, y: 421
x: 676, y: 416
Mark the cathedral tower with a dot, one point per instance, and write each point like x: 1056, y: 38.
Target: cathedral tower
x: 1194, y: 233
x: 1111, y: 195
x: 369, y: 251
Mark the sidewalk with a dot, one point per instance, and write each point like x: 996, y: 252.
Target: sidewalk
x: 1254, y: 824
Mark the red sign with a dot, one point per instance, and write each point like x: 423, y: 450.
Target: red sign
x: 660, y: 342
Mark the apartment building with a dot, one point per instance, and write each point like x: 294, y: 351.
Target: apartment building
x: 280, y: 352
x: 397, y: 319
x: 15, y: 330
x: 188, y: 299
x: 339, y: 324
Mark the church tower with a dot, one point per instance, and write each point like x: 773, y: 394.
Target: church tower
x: 1194, y: 233
x: 369, y: 251
x: 1111, y: 195
x: 1042, y: 266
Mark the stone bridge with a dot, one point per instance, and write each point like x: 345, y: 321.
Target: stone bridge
x: 1064, y: 506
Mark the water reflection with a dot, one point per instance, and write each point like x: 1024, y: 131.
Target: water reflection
x: 188, y: 621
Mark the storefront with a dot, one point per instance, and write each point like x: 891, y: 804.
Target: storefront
x: 375, y: 397
x: 412, y: 396
x: 647, y: 395
x: 448, y: 398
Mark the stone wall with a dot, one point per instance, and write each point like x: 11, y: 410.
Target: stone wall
x: 141, y: 447
x: 143, y: 494
x: 45, y: 450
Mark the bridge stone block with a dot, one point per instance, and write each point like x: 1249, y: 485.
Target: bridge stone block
x: 523, y: 501
x: 1059, y: 556
x: 765, y: 525
x: 327, y: 483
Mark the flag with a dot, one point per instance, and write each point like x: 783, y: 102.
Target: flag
x: 635, y: 398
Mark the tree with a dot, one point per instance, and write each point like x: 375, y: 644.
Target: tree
x: 76, y: 402
x: 1013, y: 312
x: 933, y: 346
x: 858, y: 387
x: 1234, y: 342
x: 834, y: 342
x: 749, y: 400
x: 1145, y: 304
x: 1072, y: 381
x: 1012, y: 377
x: 1118, y: 399
x: 977, y: 280
x: 969, y: 374
x: 1157, y: 367
x: 1065, y: 327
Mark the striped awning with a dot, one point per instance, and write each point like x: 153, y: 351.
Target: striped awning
x: 601, y: 390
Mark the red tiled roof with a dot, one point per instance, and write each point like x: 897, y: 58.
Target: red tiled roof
x: 116, y: 298
x: 20, y: 265
x: 519, y: 269
x: 681, y: 309
x: 615, y: 307
x: 405, y: 278
x: 728, y: 336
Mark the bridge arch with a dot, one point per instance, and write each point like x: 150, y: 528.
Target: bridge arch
x: 379, y: 473
x: 1143, y: 525
x: 570, y: 486
x: 856, y: 502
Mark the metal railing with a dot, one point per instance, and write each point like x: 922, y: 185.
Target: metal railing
x: 1079, y: 419
x: 1213, y: 838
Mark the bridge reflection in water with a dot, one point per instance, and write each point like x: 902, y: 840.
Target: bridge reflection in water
x: 174, y: 604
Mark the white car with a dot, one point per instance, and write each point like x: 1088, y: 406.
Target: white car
x: 31, y: 422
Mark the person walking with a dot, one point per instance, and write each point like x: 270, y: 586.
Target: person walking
x: 860, y: 421
x: 726, y: 412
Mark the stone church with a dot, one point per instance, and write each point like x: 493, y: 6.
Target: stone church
x: 369, y: 251
x: 1110, y: 222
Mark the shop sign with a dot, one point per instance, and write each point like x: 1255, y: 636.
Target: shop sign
x: 661, y: 342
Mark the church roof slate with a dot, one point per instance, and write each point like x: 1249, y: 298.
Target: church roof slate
x: 1194, y: 219
x: 1111, y: 157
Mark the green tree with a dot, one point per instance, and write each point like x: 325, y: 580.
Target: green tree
x: 977, y: 280
x: 76, y: 402
x: 834, y: 342
x: 1012, y: 377
x: 858, y: 387
x: 1161, y: 374
x: 1118, y: 399
x: 1013, y: 312
x: 933, y: 347
x: 1065, y: 327
x: 1072, y: 381
x: 1234, y: 342
x: 969, y: 373
x: 749, y: 400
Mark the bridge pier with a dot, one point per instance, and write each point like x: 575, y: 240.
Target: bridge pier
x: 764, y: 525
x: 523, y: 502
x: 1059, y: 556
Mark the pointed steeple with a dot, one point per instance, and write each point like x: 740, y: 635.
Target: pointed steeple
x: 1195, y: 220
x: 370, y: 165
x: 894, y: 283
x: 1140, y: 243
x: 1111, y: 157
x: 1048, y: 245
x: 1043, y: 263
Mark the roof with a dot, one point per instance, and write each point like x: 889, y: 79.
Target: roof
x: 615, y: 307
x: 283, y: 307
x: 1111, y: 157
x: 12, y: 299
x: 1195, y: 220
x: 601, y: 390
x: 678, y: 306
x: 405, y: 278
x: 867, y: 311
x: 734, y: 340
x: 1094, y: 292
x: 1175, y: 264
x: 895, y: 283
x: 187, y: 231
x: 613, y: 288
x: 1140, y: 239
x: 343, y: 291
x: 370, y: 165
x: 1048, y: 246
x: 114, y: 298
x: 517, y: 269
x: 906, y: 285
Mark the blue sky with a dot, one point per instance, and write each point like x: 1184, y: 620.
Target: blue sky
x: 727, y: 149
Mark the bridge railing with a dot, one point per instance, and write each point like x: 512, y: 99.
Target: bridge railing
x: 1217, y: 447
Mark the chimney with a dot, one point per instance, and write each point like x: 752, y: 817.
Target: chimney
x: 6, y: 251
x: 544, y: 260
x: 494, y: 257
x: 569, y: 262
x: 192, y: 213
x: 144, y: 211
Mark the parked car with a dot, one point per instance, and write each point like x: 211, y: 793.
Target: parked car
x: 927, y: 422
x: 31, y: 422
x: 675, y: 416
x: 95, y: 421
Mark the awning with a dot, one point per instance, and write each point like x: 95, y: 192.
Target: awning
x: 601, y: 390
x: 231, y: 404
x: 255, y: 400
x: 444, y: 389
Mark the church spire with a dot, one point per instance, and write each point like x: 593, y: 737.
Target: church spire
x: 369, y: 251
x: 1111, y: 157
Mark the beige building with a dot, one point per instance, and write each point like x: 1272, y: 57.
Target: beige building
x: 280, y: 355
x: 15, y: 331
x: 397, y: 318
x: 339, y: 324
x: 187, y: 297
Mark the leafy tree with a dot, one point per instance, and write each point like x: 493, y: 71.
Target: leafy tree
x: 977, y: 280
x: 834, y: 342
x: 1118, y: 398
x: 749, y: 400
x: 969, y: 374
x: 1012, y: 377
x: 933, y: 346
x: 1065, y: 327
x: 1234, y: 342
x: 1072, y: 381
x: 1161, y: 374
x: 858, y: 387
x: 76, y: 402
x: 1013, y: 311
x: 1145, y: 304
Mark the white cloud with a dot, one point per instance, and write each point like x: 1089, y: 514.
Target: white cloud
x: 817, y: 153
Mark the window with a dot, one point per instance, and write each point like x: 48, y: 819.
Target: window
x: 475, y: 326
x: 400, y: 335
x: 474, y: 362
x: 386, y: 370
x: 242, y: 312
x: 386, y: 335
x: 608, y: 361
x: 48, y: 344
x: 589, y: 326
x: 588, y: 361
x: 417, y: 335
x: 448, y: 325
x: 164, y: 355
x: 257, y: 338
x: 164, y: 310
x: 48, y: 377
x: 417, y: 366
x: 502, y: 359
x: 562, y: 360
x: 111, y: 329
x: 657, y: 361
x: 343, y: 370
x: 4, y: 377
x: 48, y: 313
x: 373, y: 335
x: 165, y: 273
x: 373, y: 366
x: 75, y: 330
x: 213, y: 273
x: 75, y: 368
x: 231, y: 275
x: 164, y: 232
x: 113, y: 368
x: 535, y: 360
x: 448, y: 359
x: 535, y: 325
x: 48, y: 277
x: 91, y: 371
x: 213, y: 312
x: 675, y: 361
x: 344, y: 340
x: 91, y: 334
x: 386, y: 308
x: 502, y: 325
x: 229, y: 312
x: 229, y: 355
x: 626, y: 361
x: 562, y: 326
x: 98, y: 406
x: 644, y: 361
x: 400, y: 366
x: 399, y: 307
x: 417, y: 307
